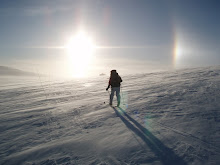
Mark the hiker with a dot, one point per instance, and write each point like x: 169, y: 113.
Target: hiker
x: 115, y: 82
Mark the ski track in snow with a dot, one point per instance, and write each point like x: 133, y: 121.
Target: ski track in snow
x: 165, y: 118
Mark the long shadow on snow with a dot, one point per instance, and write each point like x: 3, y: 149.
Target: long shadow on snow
x: 165, y: 154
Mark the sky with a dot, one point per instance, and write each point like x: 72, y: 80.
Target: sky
x: 130, y: 36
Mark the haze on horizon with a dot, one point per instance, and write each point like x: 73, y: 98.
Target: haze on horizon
x: 130, y: 36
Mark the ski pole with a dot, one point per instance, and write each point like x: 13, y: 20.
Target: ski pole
x: 122, y: 96
x: 109, y: 95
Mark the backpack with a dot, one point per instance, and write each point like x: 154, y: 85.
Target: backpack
x: 115, y: 79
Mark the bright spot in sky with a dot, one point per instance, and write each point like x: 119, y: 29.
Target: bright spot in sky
x: 80, y: 51
x: 178, y: 51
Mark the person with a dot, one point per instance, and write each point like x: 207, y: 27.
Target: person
x: 115, y: 83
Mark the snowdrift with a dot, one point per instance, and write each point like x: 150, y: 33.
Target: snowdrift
x: 164, y: 118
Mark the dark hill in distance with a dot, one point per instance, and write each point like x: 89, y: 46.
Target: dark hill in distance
x: 8, y: 71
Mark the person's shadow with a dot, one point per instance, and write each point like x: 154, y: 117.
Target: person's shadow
x: 164, y: 154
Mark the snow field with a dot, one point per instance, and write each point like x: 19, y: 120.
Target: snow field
x: 165, y: 118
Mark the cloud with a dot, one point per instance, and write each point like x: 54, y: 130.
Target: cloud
x: 36, y: 8
x: 45, y: 10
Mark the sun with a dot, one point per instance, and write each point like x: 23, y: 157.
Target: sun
x: 80, y: 49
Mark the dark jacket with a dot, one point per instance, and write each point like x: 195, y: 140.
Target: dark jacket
x: 115, y: 80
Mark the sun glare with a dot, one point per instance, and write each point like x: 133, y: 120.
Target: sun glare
x: 80, y: 51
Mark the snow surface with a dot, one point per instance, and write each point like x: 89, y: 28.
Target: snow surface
x: 6, y: 71
x: 165, y: 118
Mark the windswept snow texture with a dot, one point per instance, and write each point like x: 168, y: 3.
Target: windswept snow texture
x: 167, y: 118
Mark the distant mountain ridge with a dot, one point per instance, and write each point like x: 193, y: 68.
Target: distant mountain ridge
x: 9, y: 71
